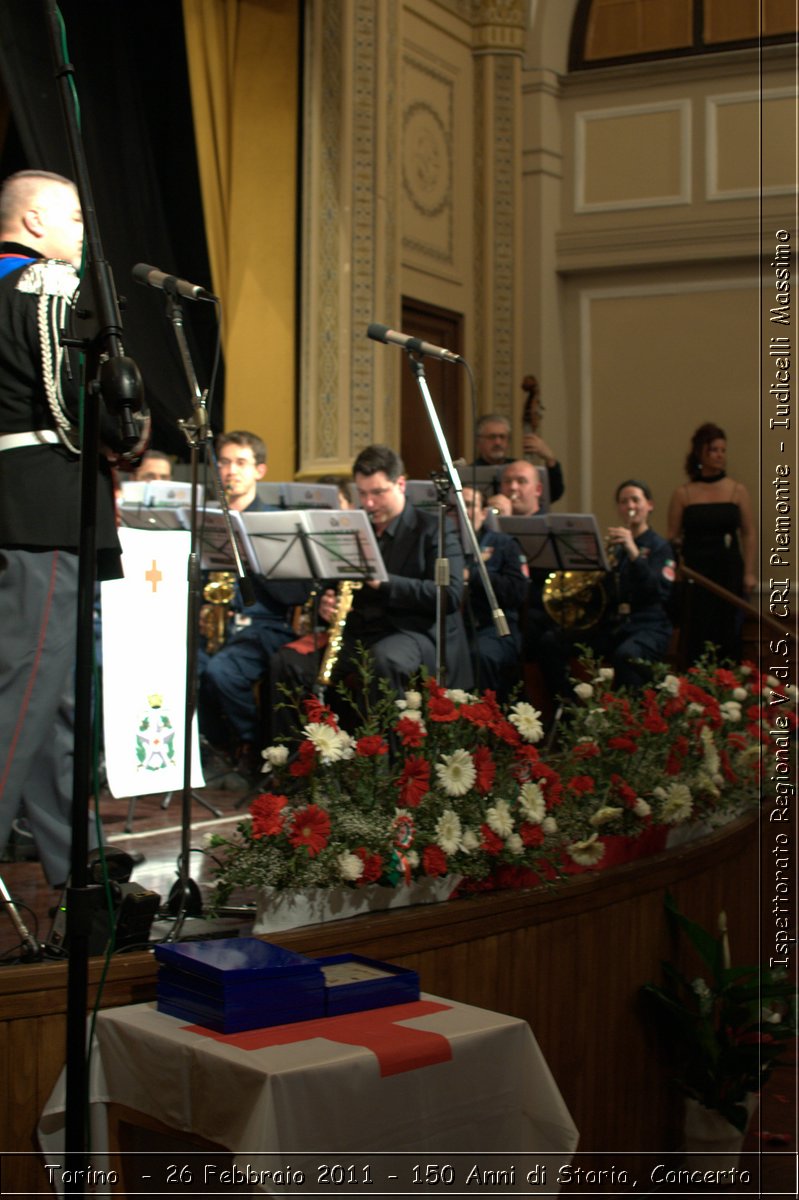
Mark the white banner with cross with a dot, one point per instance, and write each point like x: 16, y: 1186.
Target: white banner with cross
x: 144, y: 666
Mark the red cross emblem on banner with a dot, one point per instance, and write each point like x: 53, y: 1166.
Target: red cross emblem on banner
x: 396, y: 1047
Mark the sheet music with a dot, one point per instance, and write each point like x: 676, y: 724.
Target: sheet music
x: 344, y: 544
x: 559, y: 541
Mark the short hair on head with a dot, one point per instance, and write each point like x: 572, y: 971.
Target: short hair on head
x: 150, y: 452
x: 19, y: 189
x: 636, y: 483
x: 709, y: 432
x: 379, y: 458
x: 243, y: 437
x: 489, y: 419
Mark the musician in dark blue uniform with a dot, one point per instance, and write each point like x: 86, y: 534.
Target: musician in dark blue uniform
x: 496, y: 659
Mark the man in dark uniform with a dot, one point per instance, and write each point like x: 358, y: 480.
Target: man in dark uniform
x: 496, y: 659
x: 228, y: 711
x: 396, y: 620
x: 635, y: 624
x: 41, y: 227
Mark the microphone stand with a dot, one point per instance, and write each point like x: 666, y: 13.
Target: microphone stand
x: 415, y: 357
x: 184, y: 898
x: 115, y: 380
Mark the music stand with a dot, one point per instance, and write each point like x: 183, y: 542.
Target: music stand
x: 559, y: 541
x: 308, y: 495
x: 487, y: 480
x: 316, y: 544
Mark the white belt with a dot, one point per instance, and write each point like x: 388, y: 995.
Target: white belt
x: 34, y: 437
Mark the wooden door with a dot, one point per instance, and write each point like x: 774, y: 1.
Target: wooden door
x: 446, y: 382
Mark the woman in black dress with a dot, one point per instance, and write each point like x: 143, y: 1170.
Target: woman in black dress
x: 710, y: 517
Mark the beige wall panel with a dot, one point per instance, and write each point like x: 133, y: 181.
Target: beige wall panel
x: 656, y: 363
x: 736, y: 153
x: 633, y: 157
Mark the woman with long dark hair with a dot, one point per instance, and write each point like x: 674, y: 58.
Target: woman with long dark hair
x: 710, y: 518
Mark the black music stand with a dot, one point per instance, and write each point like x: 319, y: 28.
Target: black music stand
x: 559, y: 541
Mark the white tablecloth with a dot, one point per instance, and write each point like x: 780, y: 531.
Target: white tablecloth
x: 477, y: 1081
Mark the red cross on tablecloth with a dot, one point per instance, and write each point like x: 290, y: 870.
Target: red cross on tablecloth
x: 396, y: 1047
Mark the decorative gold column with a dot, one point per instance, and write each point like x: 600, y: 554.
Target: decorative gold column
x: 349, y: 268
x: 498, y: 45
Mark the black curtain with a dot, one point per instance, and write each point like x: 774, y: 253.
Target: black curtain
x: 135, y: 110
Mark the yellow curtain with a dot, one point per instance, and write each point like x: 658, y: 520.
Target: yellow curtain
x: 244, y: 70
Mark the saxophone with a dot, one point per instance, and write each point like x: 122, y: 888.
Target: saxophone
x: 335, y: 637
x: 218, y: 593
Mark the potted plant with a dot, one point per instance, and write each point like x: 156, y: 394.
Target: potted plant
x: 725, y: 1029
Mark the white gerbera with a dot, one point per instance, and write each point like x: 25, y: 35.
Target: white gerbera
x: 514, y: 844
x: 677, y: 804
x: 608, y: 812
x: 584, y: 691
x: 498, y: 818
x: 448, y: 831
x: 274, y: 756
x: 456, y: 772
x: 671, y: 685
x: 527, y: 720
x: 730, y: 710
x: 532, y: 802
x: 588, y: 852
x: 469, y: 842
x: 350, y: 866
x: 328, y: 742
x: 710, y: 754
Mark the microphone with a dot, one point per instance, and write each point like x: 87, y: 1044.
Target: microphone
x: 152, y: 277
x: 381, y: 333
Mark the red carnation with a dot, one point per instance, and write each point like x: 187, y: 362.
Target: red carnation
x: 485, y: 768
x: 318, y: 713
x: 305, y: 761
x: 583, y: 784
x: 266, y: 811
x: 586, y: 750
x: 441, y: 708
x: 410, y: 732
x: 370, y: 745
x: 623, y: 743
x: 414, y: 782
x: 492, y: 843
x: 310, y: 828
x: 372, y: 865
x: 531, y: 835
x: 434, y: 861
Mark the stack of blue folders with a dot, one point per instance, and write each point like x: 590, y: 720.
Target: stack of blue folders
x: 234, y: 984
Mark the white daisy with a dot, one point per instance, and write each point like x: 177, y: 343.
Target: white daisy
x: 586, y: 853
x: 603, y: 815
x: 327, y: 741
x: 274, y: 756
x: 350, y: 866
x: 448, y: 831
x: 528, y: 721
x: 498, y: 818
x: 677, y: 804
x: 514, y: 844
x: 469, y: 842
x: 456, y: 772
x: 532, y: 802
x: 710, y: 754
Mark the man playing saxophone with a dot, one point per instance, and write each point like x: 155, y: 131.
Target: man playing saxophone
x: 634, y: 624
x: 395, y: 621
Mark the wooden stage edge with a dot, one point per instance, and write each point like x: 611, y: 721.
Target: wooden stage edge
x: 569, y: 959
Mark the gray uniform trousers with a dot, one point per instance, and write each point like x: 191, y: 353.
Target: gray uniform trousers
x: 38, y: 612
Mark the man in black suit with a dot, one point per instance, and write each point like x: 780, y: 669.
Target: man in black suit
x: 396, y: 620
